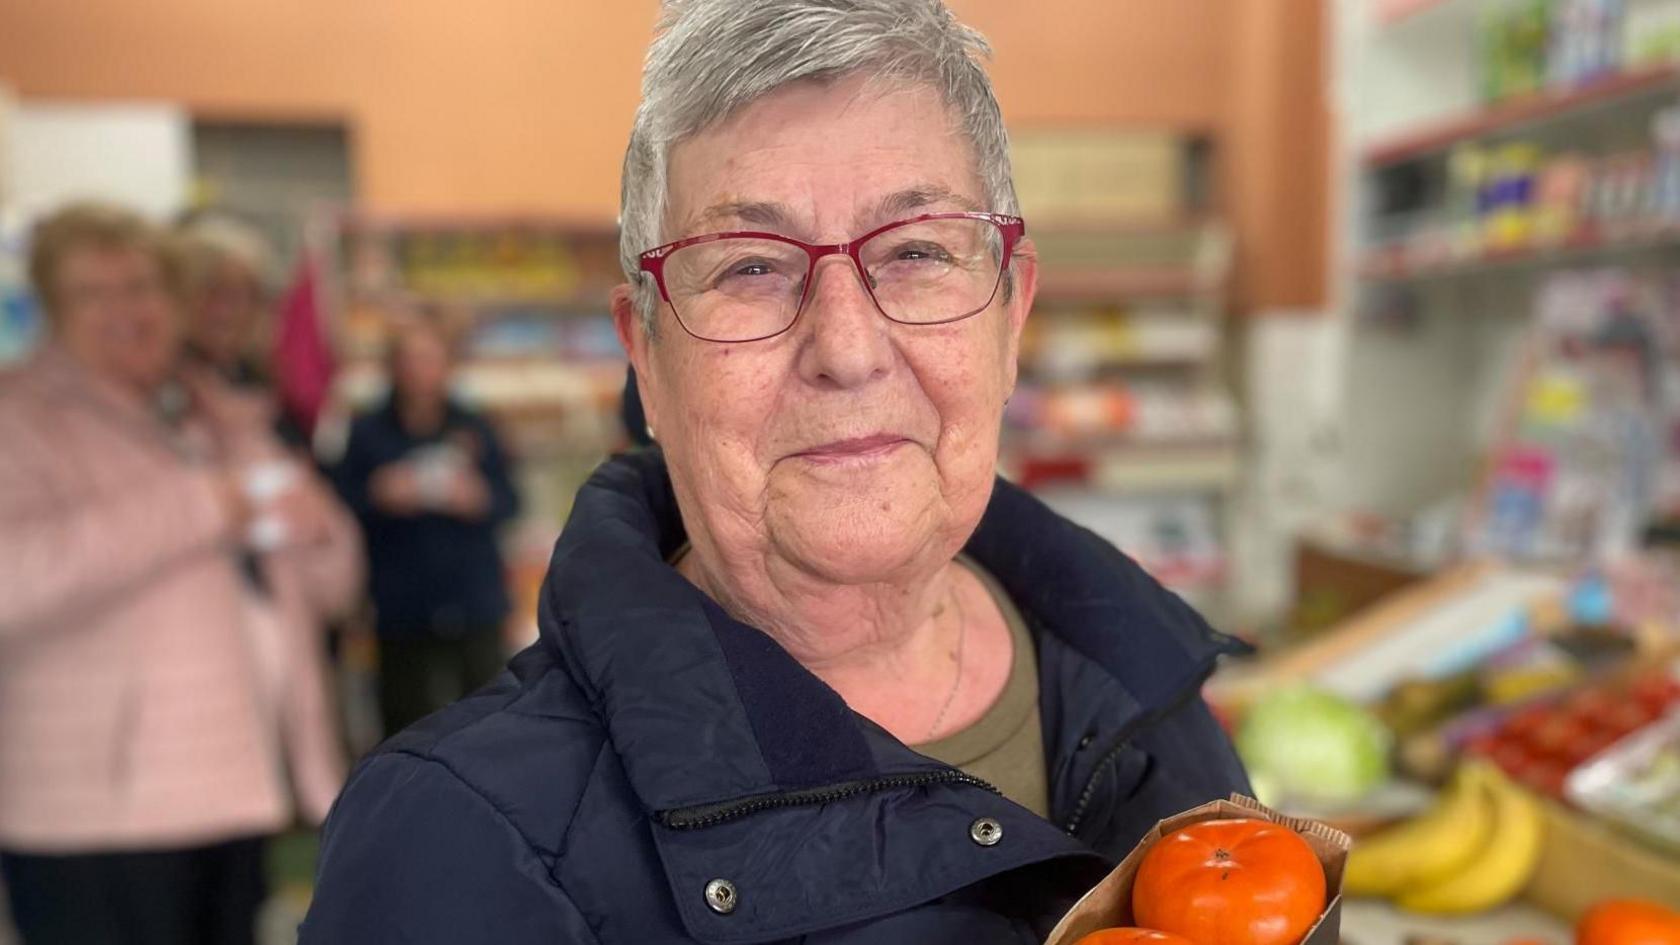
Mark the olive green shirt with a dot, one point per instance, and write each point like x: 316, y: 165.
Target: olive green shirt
x: 1004, y: 747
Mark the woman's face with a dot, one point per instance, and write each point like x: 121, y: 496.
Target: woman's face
x: 227, y: 313
x: 420, y: 366
x: 854, y: 448
x: 115, y: 314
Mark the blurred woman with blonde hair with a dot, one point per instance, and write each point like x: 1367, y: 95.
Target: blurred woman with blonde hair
x: 164, y: 575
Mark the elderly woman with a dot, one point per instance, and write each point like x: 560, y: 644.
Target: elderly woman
x: 163, y: 576
x: 808, y: 672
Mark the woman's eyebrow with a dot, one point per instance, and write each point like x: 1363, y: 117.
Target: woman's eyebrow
x: 761, y: 213
x: 905, y: 202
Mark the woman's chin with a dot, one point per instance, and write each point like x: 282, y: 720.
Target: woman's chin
x: 853, y: 538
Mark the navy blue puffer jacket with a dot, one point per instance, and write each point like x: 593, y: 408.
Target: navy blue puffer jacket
x: 649, y: 746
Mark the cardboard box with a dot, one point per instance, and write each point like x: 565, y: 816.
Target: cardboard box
x: 1109, y: 903
x: 1586, y: 860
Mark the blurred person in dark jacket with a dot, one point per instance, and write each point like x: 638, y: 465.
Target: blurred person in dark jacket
x: 427, y: 477
x: 165, y: 571
x: 808, y: 671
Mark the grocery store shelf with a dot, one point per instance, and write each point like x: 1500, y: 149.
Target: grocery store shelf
x: 1173, y: 225
x: 1402, y: 264
x: 576, y: 227
x: 598, y: 303
x: 1516, y: 112
x: 1393, y: 11
x: 1118, y: 284
x: 1117, y: 466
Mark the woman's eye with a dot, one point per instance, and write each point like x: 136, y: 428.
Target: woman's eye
x: 748, y: 269
x: 922, y: 252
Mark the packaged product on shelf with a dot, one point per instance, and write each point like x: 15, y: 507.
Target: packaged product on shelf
x: 1650, y: 32
x: 1664, y: 202
x: 20, y: 320
x: 1514, y: 39
x: 1577, y: 476
x: 1509, y: 204
x: 1558, y: 198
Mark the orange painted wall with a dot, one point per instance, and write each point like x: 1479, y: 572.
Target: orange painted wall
x: 524, y: 105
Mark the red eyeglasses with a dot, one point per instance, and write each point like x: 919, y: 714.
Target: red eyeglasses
x: 748, y: 286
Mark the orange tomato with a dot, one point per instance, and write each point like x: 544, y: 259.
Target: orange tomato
x: 1236, y: 881
x: 1132, y: 936
x: 1628, y: 922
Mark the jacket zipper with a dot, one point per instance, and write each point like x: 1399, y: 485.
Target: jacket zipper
x: 1082, y: 806
x: 708, y: 815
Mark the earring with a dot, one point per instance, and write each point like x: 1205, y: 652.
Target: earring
x: 649, y: 428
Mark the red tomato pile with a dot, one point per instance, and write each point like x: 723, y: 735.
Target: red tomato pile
x: 1539, y: 745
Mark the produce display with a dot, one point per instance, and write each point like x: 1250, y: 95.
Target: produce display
x: 1473, y: 850
x: 1305, y: 744
x: 1489, y: 756
x: 1541, y: 744
x: 1636, y: 785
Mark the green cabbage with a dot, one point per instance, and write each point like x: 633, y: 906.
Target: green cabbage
x: 1305, y: 744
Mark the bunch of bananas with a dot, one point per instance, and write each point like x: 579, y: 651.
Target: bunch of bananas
x: 1474, y: 850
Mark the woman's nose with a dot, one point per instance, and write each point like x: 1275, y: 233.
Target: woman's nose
x: 848, y: 342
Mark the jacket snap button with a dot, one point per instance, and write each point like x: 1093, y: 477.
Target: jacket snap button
x: 986, y: 832
x: 720, y: 896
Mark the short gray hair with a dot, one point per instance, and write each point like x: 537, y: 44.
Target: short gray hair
x: 710, y: 58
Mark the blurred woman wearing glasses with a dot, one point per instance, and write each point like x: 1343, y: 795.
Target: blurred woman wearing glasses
x: 808, y: 671
x: 164, y: 573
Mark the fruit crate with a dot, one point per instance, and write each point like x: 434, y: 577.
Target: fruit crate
x: 1585, y: 860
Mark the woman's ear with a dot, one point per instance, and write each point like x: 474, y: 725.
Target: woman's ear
x: 633, y: 335
x: 1023, y: 284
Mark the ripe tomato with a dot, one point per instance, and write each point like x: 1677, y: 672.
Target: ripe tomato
x: 1132, y: 936
x: 1628, y: 922
x: 1591, y: 703
x: 1543, y: 775
x: 1655, y: 691
x: 1559, y: 738
x: 1237, y: 881
x: 1511, y: 757
x: 1624, y: 717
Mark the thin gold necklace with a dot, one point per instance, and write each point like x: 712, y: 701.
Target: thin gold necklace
x: 956, y: 682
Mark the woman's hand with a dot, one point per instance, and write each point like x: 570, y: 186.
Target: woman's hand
x: 395, y: 489
x: 469, y: 495
x: 281, y: 505
x: 303, y: 513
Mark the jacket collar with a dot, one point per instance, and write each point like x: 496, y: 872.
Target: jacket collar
x: 704, y: 709
x: 708, y: 715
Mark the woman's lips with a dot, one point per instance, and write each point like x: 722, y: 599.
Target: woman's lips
x: 852, y: 450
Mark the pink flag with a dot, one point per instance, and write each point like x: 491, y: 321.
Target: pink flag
x: 303, y: 358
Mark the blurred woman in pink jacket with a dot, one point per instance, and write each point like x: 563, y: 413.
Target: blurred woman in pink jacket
x: 164, y: 573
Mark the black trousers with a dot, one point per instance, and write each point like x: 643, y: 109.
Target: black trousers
x: 421, y: 675
x: 197, y: 896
